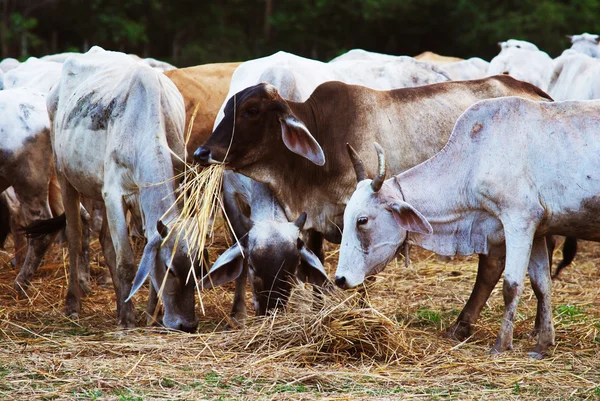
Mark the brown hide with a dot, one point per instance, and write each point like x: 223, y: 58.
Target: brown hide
x: 206, y: 85
x: 435, y: 58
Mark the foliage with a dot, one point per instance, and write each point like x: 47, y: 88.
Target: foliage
x: 187, y: 32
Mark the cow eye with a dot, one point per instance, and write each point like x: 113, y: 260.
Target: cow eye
x: 362, y: 221
x: 251, y: 112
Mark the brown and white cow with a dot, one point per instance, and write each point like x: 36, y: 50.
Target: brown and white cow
x: 492, y: 190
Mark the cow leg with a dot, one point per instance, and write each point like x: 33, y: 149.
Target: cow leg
x: 71, y: 204
x: 238, y: 309
x: 33, y: 200
x: 550, y: 246
x: 84, y: 257
x: 315, y: 244
x: 19, y: 242
x: 117, y: 222
x: 519, y: 242
x: 110, y: 258
x: 489, y: 271
x: 539, y: 274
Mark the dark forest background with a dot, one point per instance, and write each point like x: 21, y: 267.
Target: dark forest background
x: 190, y: 32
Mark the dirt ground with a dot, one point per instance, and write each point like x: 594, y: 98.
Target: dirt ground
x: 45, y: 355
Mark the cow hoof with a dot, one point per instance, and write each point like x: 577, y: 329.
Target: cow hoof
x: 497, y: 350
x: 236, y: 321
x: 126, y: 324
x: 21, y: 286
x: 72, y: 311
x: 85, y: 286
x: 459, y: 331
x: 535, y: 355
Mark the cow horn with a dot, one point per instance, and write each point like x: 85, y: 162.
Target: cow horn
x: 381, y: 170
x: 300, y: 221
x: 359, y: 167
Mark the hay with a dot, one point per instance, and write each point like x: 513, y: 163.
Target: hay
x: 340, y: 327
x: 300, y: 354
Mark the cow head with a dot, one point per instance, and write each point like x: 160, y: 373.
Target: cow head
x: 163, y: 257
x: 376, y: 222
x: 257, y: 124
x: 274, y: 253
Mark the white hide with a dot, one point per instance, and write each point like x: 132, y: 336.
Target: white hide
x: 575, y: 77
x: 23, y: 117
x: 117, y: 156
x: 9, y: 64
x: 523, y: 61
x: 59, y: 57
x: 296, y: 77
x: 34, y: 74
x: 471, y: 199
x: 473, y: 68
x: 586, y: 43
x: 360, y: 54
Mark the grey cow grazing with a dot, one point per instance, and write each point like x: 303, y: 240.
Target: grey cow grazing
x: 272, y: 249
x: 116, y: 127
x: 491, y: 190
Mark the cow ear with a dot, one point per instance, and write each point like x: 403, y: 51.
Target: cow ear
x: 311, y: 268
x: 410, y: 218
x: 226, y: 269
x: 299, y: 140
x: 147, y: 265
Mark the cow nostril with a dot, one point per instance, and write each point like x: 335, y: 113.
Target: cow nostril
x: 202, y: 155
x: 340, y: 281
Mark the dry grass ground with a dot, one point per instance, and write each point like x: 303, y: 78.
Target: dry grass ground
x: 302, y: 355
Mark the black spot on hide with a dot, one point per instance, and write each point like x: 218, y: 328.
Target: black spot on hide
x: 26, y: 109
x: 99, y: 113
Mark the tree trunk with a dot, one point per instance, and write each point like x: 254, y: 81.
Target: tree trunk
x: 3, y: 36
x: 268, y: 12
x: 24, y: 43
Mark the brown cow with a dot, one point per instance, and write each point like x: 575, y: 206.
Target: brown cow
x: 206, y: 85
x: 435, y: 58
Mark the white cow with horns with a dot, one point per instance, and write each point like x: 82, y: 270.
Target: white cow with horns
x: 118, y: 137
x: 491, y: 190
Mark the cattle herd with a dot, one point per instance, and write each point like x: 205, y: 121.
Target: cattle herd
x: 466, y: 157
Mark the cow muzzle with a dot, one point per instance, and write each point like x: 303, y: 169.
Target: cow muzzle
x: 203, y: 156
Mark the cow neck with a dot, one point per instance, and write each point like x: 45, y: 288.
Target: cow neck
x: 438, y: 189
x: 156, y: 187
x: 302, y: 186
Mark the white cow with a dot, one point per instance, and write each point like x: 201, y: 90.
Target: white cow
x: 59, y: 57
x: 115, y: 123
x: 35, y: 74
x: 472, y: 68
x: 586, y: 43
x: 360, y: 54
x: 296, y: 77
x: 575, y: 77
x: 268, y: 243
x: 9, y: 64
x: 524, y: 61
x: 465, y: 200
